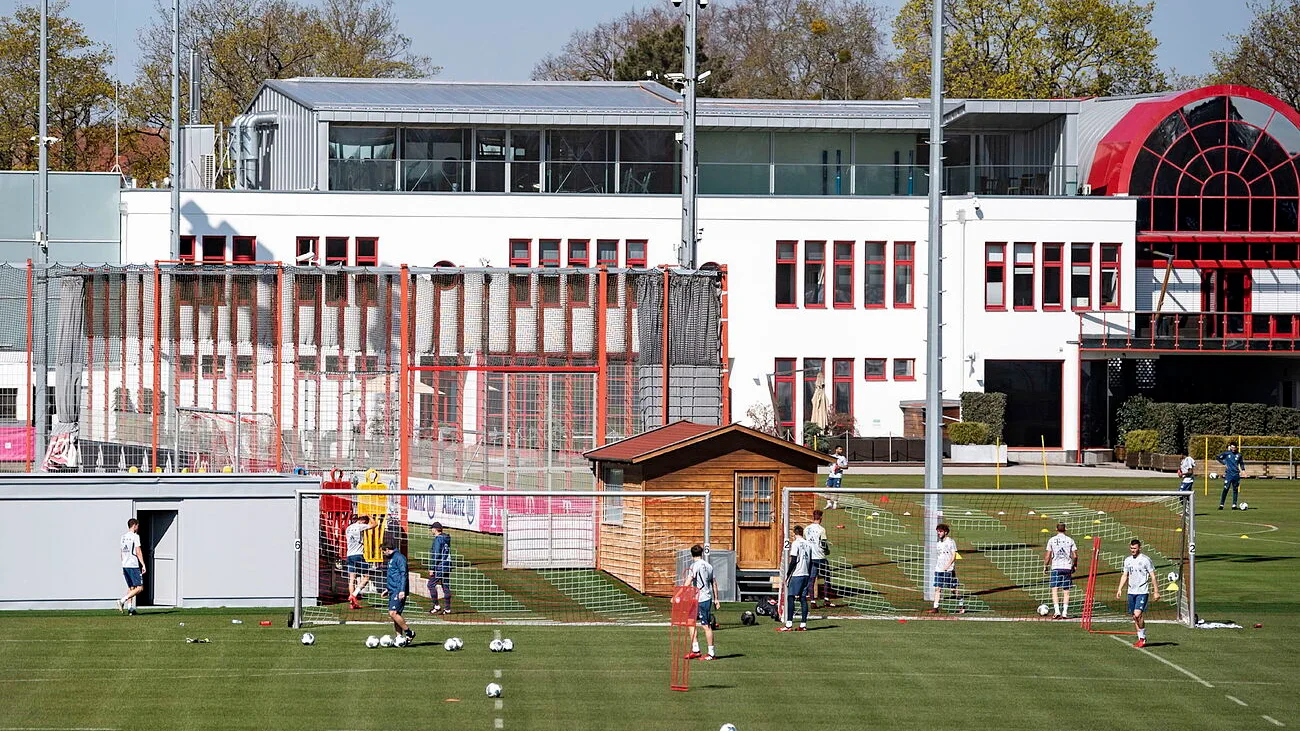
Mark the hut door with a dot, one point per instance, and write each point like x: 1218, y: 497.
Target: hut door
x: 756, y: 538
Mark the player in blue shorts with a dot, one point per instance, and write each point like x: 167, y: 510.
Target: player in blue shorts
x: 440, y: 571
x: 700, y: 575
x: 398, y: 580
x: 1061, y: 557
x: 945, y: 570
x: 1140, y: 576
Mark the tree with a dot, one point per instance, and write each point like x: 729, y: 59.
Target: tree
x: 1032, y: 49
x: 591, y: 53
x: 242, y: 43
x: 1266, y: 55
x: 661, y: 51
x: 80, y: 92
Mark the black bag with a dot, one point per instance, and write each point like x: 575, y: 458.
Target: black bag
x: 766, y: 608
x: 826, y: 547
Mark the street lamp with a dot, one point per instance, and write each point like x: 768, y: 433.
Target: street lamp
x: 686, y: 254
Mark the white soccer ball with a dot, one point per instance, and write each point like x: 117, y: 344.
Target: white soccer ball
x: 1214, y: 475
x: 728, y: 727
x: 1243, y: 506
x: 1043, y: 609
x: 452, y: 644
x: 460, y: 644
x: 386, y: 641
x: 507, y: 645
x: 372, y: 642
x: 495, y: 646
x: 493, y: 690
x: 308, y: 638
x: 401, y: 641
x: 1173, y: 576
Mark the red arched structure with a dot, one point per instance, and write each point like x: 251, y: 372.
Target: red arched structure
x: 1216, y: 160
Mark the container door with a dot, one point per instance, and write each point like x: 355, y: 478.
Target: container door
x: 161, y: 544
x: 756, y: 520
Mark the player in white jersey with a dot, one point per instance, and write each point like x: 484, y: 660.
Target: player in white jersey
x: 945, y: 569
x: 700, y: 575
x: 356, y: 559
x: 133, y: 568
x: 1187, y: 473
x: 1140, y: 576
x: 1060, y: 558
x: 796, y: 580
x: 838, y: 469
x: 815, y: 534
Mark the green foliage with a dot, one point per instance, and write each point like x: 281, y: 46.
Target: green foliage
x: 1141, y: 440
x: 969, y: 432
x: 1167, y: 424
x: 1250, y: 446
x: 1033, y: 49
x: 659, y: 51
x: 1202, y: 419
x: 986, y: 408
x: 811, y: 432
x: 1266, y: 55
x: 1135, y: 413
x: 1284, y: 421
x: 1248, y: 419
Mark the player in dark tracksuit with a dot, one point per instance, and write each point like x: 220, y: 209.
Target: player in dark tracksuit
x: 1232, y: 464
x: 398, y: 579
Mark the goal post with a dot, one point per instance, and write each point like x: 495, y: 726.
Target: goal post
x: 515, y: 557
x: 221, y: 440
x: 882, y: 544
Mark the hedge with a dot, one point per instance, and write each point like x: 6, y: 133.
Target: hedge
x: 969, y: 432
x: 1164, y: 419
x: 1135, y: 413
x: 1284, y: 421
x: 1219, y: 443
x: 987, y: 408
x: 1203, y: 419
x: 1248, y: 419
x: 1141, y: 440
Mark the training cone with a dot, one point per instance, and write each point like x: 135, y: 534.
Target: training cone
x: 884, y: 498
x: 1042, y: 530
x: 1087, y: 538
x: 957, y: 555
x: 1243, y: 535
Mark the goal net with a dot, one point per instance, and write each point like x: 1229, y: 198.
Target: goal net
x: 211, y: 440
x: 883, y: 550
x: 518, y: 556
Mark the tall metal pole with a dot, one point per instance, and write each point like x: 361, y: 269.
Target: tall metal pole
x: 175, y: 170
x: 934, y: 305
x: 686, y: 255
x: 40, y: 436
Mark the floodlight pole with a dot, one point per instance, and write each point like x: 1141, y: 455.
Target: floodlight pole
x: 934, y: 305
x: 175, y: 167
x: 686, y: 255
x: 40, y: 364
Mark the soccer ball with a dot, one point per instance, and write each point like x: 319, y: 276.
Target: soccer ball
x: 495, y: 646
x: 1214, y: 475
x: 728, y: 727
x: 507, y: 645
x: 386, y: 641
x: 748, y: 619
x: 1173, y: 576
x: 493, y: 690
x: 308, y: 638
x: 401, y: 641
x: 372, y: 642
x: 1243, y: 506
x: 1043, y: 610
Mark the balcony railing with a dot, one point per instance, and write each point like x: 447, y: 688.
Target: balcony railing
x: 1012, y: 179
x: 1190, y: 331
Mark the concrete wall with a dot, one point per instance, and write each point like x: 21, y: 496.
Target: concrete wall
x: 235, y: 532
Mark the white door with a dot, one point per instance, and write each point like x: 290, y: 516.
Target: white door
x: 162, y: 554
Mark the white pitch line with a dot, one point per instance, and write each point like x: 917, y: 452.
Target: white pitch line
x: 1179, y: 668
x: 498, y: 723
x: 1273, y: 721
x: 498, y: 705
x: 1236, y: 700
x: 496, y: 673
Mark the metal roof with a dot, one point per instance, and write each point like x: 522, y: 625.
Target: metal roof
x: 415, y: 95
x: 1097, y: 117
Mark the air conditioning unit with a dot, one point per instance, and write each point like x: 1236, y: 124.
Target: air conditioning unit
x: 208, y: 164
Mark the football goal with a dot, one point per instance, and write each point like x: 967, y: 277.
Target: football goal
x: 883, y: 551
x: 518, y: 556
x: 215, y: 440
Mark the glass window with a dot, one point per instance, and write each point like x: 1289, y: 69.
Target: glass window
x: 548, y: 252
x: 785, y: 394
x: 1110, y: 276
x: 636, y: 253
x: 367, y: 251
x: 995, y: 270
x: 1080, y: 276
x: 435, y: 159
x: 786, y: 263
x: 843, y: 275
x: 812, y: 368
x: 873, y: 275
x: 873, y: 369
x: 214, y: 249
x: 361, y: 158
x: 842, y: 398
x: 578, y: 256
x: 525, y: 161
x: 1022, y: 277
x: 648, y: 161
x: 814, y: 274
x: 607, y: 252
x: 612, y: 508
x: 754, y: 499
x: 489, y: 161
x: 734, y: 163
x: 904, y: 369
x: 811, y: 163
x: 904, y: 274
x: 1052, y: 265
x: 580, y: 161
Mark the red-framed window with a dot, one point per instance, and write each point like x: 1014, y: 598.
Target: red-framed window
x: 995, y: 276
x: 842, y: 386
x: 784, y: 386
x: 367, y: 364
x: 307, y: 251
x: 904, y: 274
x: 244, y: 367
x: 548, y: 253
x: 904, y: 369
x: 579, y: 253
x: 1080, y: 276
x: 636, y: 253
x: 336, y: 251
x: 812, y: 368
x: 842, y: 274
x: 243, y: 249
x: 214, y: 249
x: 336, y: 367
x: 367, y: 250
x: 213, y: 366
x: 1109, y: 295
x: 607, y: 253
x: 873, y: 369
x: 814, y: 274
x: 579, y: 284
x: 1053, y: 288
x: 185, y: 366
x: 306, y: 365
x: 186, y: 252
x: 1022, y: 275
x: 548, y: 256
x: 787, y: 265
x: 873, y: 274
x: 521, y: 257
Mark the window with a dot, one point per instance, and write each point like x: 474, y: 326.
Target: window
x: 1109, y: 276
x: 244, y: 249
x: 525, y: 161
x: 580, y: 161
x: 307, y: 364
x: 548, y: 255
x: 579, y: 255
x: 8, y: 404
x: 1052, y: 289
x: 612, y: 508
x: 367, y: 251
x: 873, y: 274
x: 812, y: 368
x: 214, y: 249
x: 186, y: 252
x: 548, y: 252
x: 490, y: 160
x: 814, y: 274
x: 1022, y: 276
x: 521, y: 253
x: 521, y: 256
x: 785, y: 394
x: 244, y: 366
x: 363, y: 158
x: 647, y: 161
x: 214, y: 366
x: 336, y: 251
x: 873, y: 369
x: 579, y: 284
x: 842, y: 394
x: 306, y: 252
x: 787, y: 262
x: 185, y: 366
x: 435, y: 159
x: 904, y: 369
x: 754, y: 499
x: 1080, y: 276
x: 842, y: 276
x: 904, y: 270
x: 636, y: 253
x: 607, y: 253
x: 995, y: 276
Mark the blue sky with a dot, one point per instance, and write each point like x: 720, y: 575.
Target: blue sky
x: 503, y: 43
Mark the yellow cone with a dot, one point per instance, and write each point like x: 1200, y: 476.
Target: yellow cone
x: 1172, y: 587
x: 1096, y: 522
x: 1243, y: 535
x: 958, y: 556
x: 1042, y: 530
x: 1087, y: 538
x: 1178, y: 530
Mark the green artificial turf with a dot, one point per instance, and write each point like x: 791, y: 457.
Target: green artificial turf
x: 67, y: 670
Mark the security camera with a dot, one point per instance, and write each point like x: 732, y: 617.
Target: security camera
x: 704, y: 76
x: 677, y: 3
x: 675, y: 76
x: 975, y: 201
x: 704, y: 3
x: 306, y: 257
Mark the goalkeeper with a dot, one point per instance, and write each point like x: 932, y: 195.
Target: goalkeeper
x: 440, y: 571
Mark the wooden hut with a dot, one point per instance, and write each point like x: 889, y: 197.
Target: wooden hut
x: 743, y: 470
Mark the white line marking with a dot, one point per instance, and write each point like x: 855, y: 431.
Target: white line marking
x: 498, y: 723
x: 1236, y: 700
x: 1273, y: 721
x: 496, y: 673
x: 498, y: 705
x: 1180, y: 669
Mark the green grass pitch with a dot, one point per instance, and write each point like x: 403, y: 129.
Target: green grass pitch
x: 100, y: 670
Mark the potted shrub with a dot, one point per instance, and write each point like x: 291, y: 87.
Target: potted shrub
x: 971, y: 444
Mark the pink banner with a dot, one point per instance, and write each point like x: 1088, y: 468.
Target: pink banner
x: 15, y: 443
